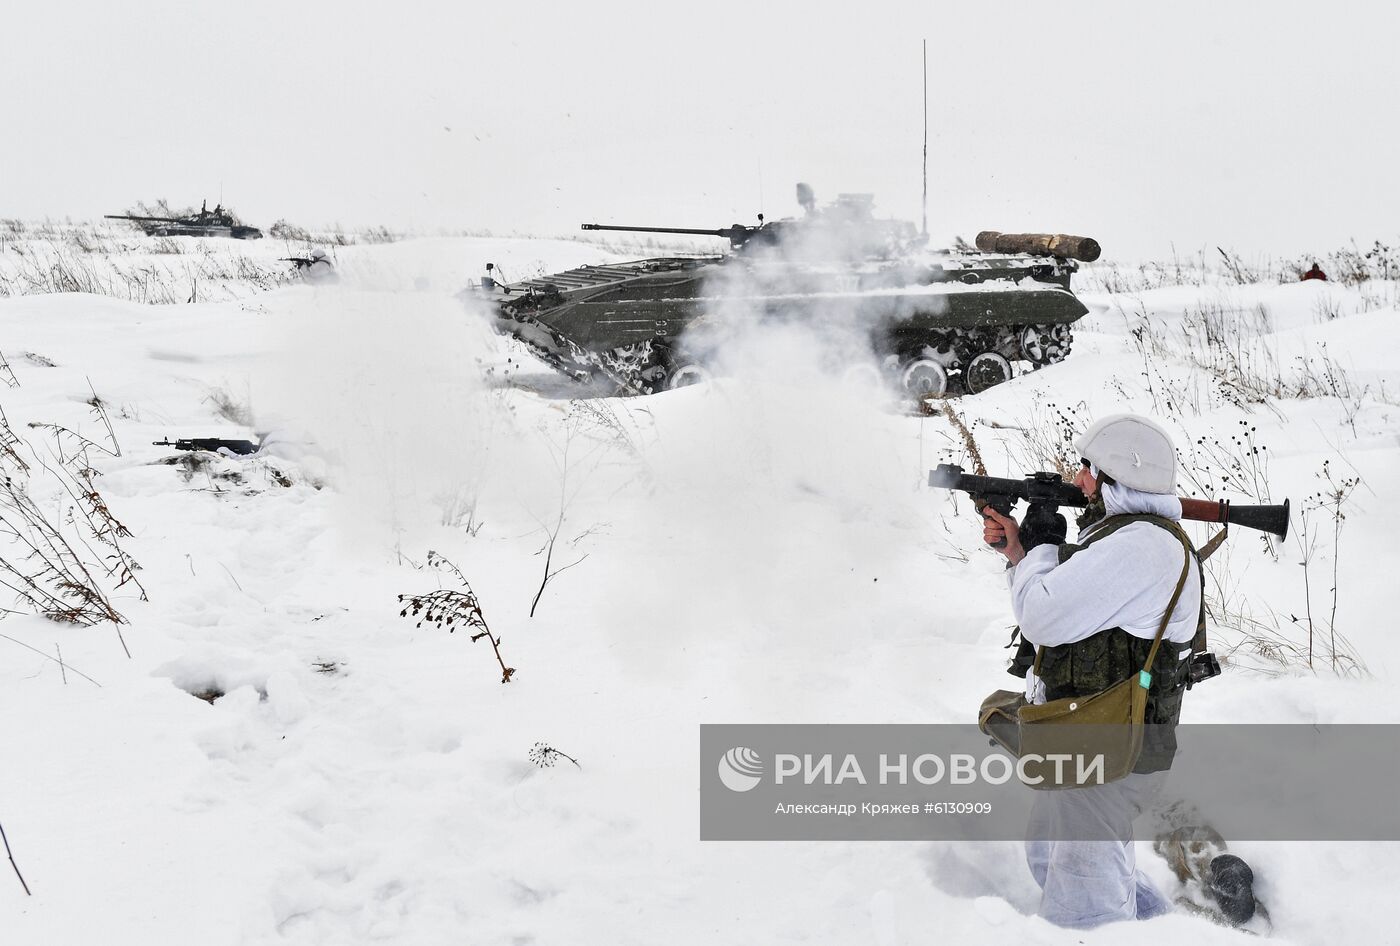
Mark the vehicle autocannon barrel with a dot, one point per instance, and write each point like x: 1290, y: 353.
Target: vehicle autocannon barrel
x: 737, y: 235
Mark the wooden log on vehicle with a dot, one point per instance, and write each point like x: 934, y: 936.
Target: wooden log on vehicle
x: 1062, y: 245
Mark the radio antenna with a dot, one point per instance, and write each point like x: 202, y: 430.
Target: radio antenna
x: 760, y: 185
x: 925, y: 230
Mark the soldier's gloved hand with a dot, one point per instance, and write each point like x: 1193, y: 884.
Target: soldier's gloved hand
x: 1045, y: 530
x: 996, y: 527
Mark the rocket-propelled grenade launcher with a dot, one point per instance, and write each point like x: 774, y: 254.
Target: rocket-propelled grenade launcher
x: 1045, y: 492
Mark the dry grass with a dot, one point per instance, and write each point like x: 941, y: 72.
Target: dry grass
x: 61, y: 551
x: 110, y: 261
x: 1349, y: 265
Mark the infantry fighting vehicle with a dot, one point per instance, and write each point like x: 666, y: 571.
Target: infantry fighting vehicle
x: 948, y: 321
x: 207, y: 223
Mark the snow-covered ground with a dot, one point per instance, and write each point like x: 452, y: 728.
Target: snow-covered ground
x: 757, y: 549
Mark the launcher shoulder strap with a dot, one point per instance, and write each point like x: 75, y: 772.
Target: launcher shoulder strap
x: 1113, y: 523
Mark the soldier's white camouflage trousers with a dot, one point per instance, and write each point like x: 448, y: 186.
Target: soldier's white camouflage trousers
x: 1077, y: 852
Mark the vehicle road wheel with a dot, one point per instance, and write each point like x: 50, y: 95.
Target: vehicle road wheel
x: 684, y: 375
x: 925, y: 378
x: 1045, y: 344
x: 985, y: 371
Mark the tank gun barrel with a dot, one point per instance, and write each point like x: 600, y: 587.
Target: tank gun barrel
x: 737, y: 235
x: 151, y: 219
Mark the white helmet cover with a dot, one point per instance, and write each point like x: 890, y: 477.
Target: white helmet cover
x: 1132, y: 449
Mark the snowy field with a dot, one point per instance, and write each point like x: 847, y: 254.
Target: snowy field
x: 761, y: 548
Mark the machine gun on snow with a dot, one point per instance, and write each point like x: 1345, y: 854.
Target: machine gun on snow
x: 309, y: 263
x: 242, y: 448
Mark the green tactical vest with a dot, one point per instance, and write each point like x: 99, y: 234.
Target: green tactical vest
x: 1099, y: 661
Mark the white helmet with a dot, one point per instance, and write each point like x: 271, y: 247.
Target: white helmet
x: 1133, y: 450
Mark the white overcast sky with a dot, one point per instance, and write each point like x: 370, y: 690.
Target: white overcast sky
x: 1270, y: 128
